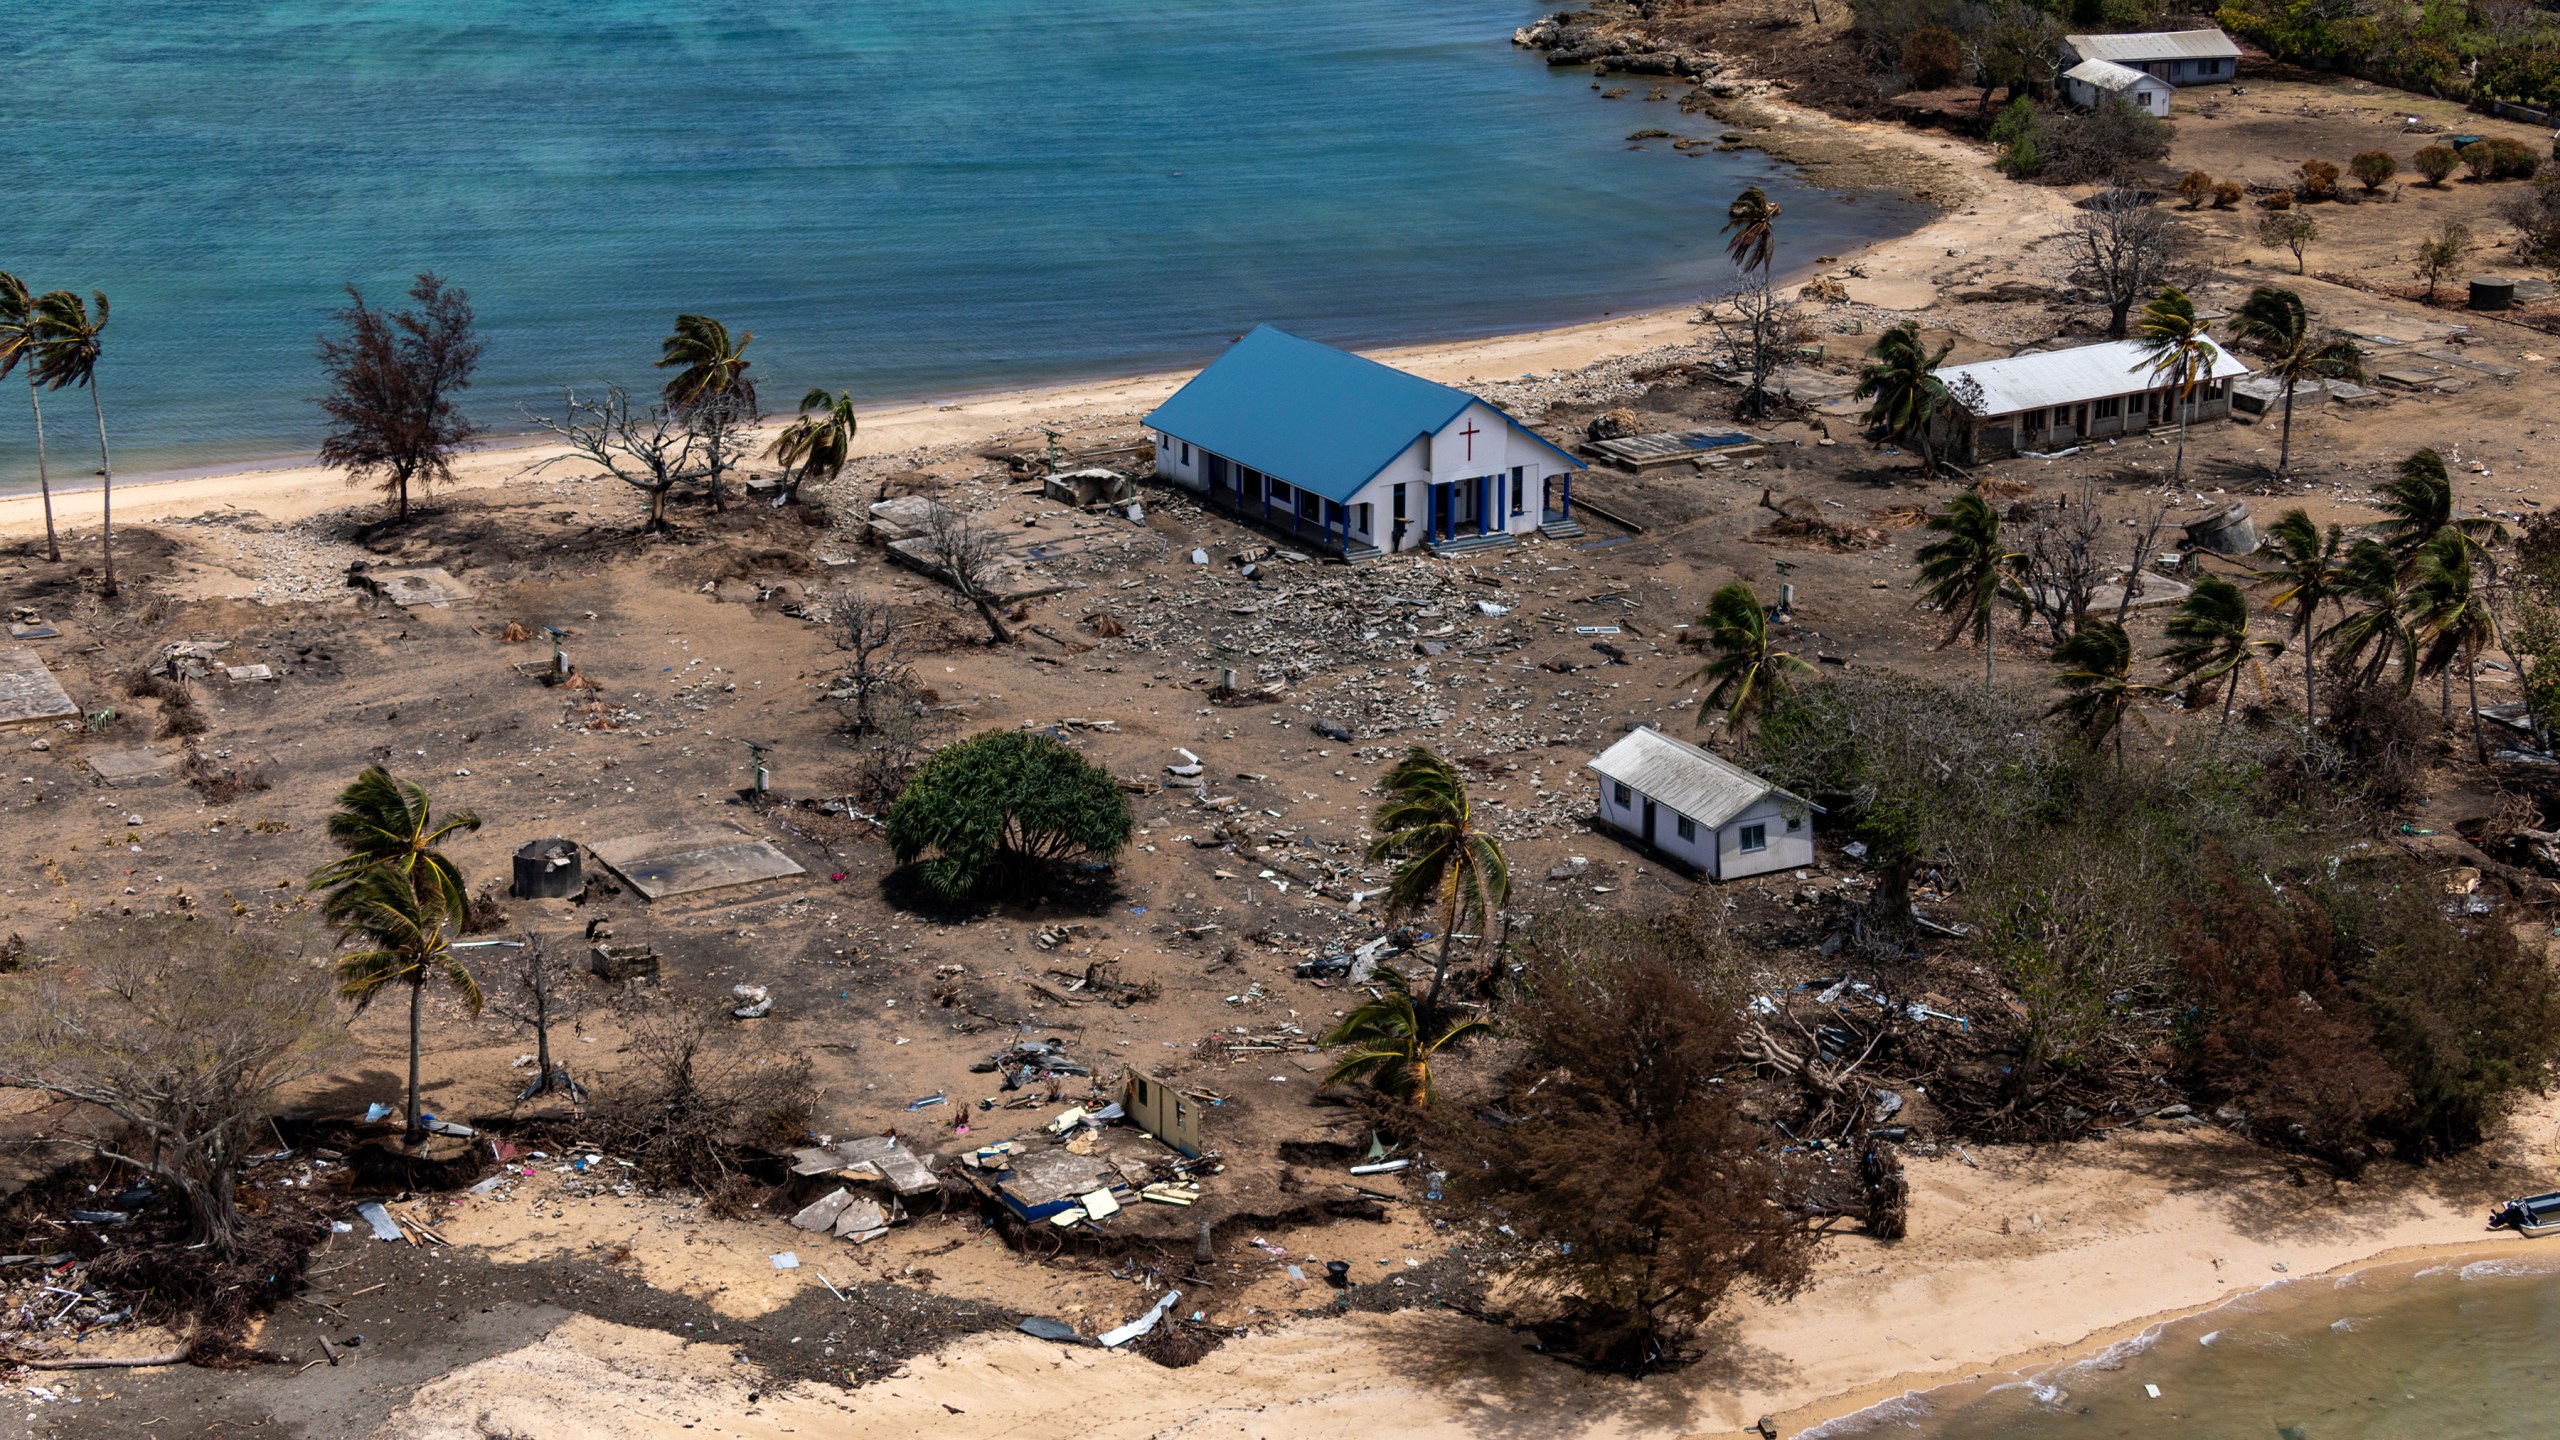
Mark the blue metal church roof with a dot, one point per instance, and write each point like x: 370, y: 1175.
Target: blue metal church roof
x: 1319, y: 418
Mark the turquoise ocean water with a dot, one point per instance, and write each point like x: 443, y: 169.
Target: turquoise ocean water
x: 2447, y: 1352
x: 905, y: 200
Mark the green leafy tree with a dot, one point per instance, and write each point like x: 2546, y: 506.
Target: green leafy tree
x: 2097, y: 670
x: 1750, y: 225
x: 1385, y: 1036
x: 2182, y: 356
x: 2442, y: 253
x: 997, y: 811
x: 1748, y: 668
x: 1905, y: 394
x: 68, y: 347
x: 2303, y: 576
x: 2449, y: 612
x: 818, y: 444
x: 2209, y: 640
x: 18, y: 343
x: 1445, y: 862
x: 387, y: 824
x: 410, y: 942
x: 2274, y: 320
x: 1968, y: 571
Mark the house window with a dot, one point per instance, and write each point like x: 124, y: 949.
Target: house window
x: 1519, y: 488
x: 2111, y: 408
x: 1360, y: 517
x: 1794, y: 823
x: 1399, y: 502
x: 1754, y: 838
x: 1281, y: 494
x: 2033, y: 422
x: 1688, y: 828
x: 1618, y: 792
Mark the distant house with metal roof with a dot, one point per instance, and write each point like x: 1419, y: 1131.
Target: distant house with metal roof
x: 2047, y: 399
x: 2181, y: 57
x: 1701, y: 809
x: 2092, y: 83
x: 1357, y: 458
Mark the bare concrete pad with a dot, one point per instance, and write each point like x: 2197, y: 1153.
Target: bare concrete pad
x: 427, y: 586
x: 686, y: 862
x: 29, y: 695
x: 138, y: 766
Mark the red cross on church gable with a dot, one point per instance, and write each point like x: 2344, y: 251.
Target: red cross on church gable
x: 1471, y: 432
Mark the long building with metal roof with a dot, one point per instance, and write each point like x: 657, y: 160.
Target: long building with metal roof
x: 2047, y: 399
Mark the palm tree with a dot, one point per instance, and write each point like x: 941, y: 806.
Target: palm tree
x: 1752, y: 222
x: 1968, y: 571
x: 2371, y: 634
x: 2418, y: 505
x: 412, y: 942
x: 706, y: 361
x: 67, y: 350
x: 2450, y: 615
x: 18, y: 342
x: 388, y: 824
x: 1387, y: 1045
x: 2209, y: 640
x: 2304, y: 577
x: 1444, y: 862
x: 2097, y: 668
x: 1748, y: 666
x: 2274, y: 320
x: 2182, y: 354
x: 818, y: 443
x: 1906, y: 396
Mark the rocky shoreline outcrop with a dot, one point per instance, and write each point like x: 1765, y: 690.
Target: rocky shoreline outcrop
x: 1584, y: 38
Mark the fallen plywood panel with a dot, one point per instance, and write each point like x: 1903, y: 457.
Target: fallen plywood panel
x: 428, y: 585
x: 138, y: 766
x: 687, y: 862
x: 29, y: 695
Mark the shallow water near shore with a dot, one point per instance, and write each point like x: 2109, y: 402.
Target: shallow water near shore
x: 900, y: 200
x: 2465, y: 1349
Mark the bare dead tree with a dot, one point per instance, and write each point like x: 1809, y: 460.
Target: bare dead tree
x: 867, y: 630
x: 2063, y: 565
x: 533, y: 1000
x: 649, y: 450
x: 2146, y: 544
x: 393, y: 375
x: 182, y: 1032
x: 721, y: 423
x: 1755, y: 325
x: 2122, y: 245
x: 970, y: 554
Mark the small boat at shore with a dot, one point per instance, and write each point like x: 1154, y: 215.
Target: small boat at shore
x: 2531, y: 1215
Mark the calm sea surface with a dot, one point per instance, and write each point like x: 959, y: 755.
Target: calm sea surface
x: 2446, y: 1353
x: 902, y: 199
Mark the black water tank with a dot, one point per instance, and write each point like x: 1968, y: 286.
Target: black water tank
x: 2493, y: 294
x: 549, y: 870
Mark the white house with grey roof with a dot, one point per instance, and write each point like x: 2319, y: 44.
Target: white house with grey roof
x: 2180, y: 57
x: 2048, y: 399
x: 1700, y: 809
x: 2092, y: 83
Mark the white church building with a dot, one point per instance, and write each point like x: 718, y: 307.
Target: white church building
x: 1356, y: 458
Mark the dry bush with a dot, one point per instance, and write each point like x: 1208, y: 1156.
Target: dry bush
x: 2227, y: 193
x: 699, y: 1104
x: 220, y: 779
x: 1932, y: 58
x: 2373, y: 169
x: 2195, y: 188
x: 2316, y: 180
x: 2435, y: 162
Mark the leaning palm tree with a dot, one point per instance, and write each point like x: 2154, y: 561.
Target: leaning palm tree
x: 2303, y: 577
x: 1387, y: 1042
x: 817, y: 445
x: 387, y: 824
x: 66, y: 343
x: 1968, y: 571
x: 2182, y: 355
x: 1444, y: 861
x: 18, y: 342
x: 707, y: 361
x: 2274, y: 320
x: 411, y: 940
x: 2372, y: 633
x: 2417, y: 505
x: 2209, y: 640
x: 2449, y: 613
x: 2097, y: 670
x: 1906, y: 394
x: 1751, y: 220
x: 1748, y: 666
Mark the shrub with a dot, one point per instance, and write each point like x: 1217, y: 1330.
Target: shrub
x: 1932, y: 58
x: 2019, y: 131
x: 2196, y: 188
x: 2436, y: 162
x: 998, y: 810
x: 2113, y: 141
x: 2316, y: 180
x: 2373, y: 168
x: 2227, y: 193
x: 2480, y: 159
x: 2281, y: 200
x: 2510, y: 159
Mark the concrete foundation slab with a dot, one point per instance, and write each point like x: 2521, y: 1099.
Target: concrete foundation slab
x: 139, y: 766
x: 429, y: 585
x: 29, y: 695
x: 686, y: 862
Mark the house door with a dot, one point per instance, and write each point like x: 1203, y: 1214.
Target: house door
x: 1648, y: 820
